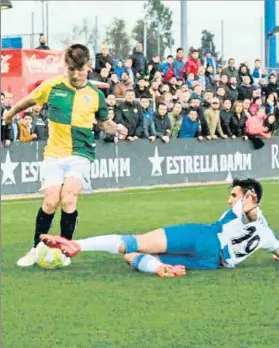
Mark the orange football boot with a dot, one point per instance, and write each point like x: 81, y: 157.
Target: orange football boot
x: 68, y: 247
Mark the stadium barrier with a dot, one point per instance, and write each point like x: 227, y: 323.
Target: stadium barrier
x: 144, y: 164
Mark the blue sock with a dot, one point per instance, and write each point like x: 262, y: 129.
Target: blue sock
x: 146, y: 263
x: 131, y: 244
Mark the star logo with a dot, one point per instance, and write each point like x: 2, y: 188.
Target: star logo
x: 229, y: 177
x: 8, y: 176
x: 156, y: 162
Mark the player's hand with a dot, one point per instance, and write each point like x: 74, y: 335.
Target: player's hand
x: 250, y: 203
x: 7, y: 119
x: 122, y: 131
x: 34, y: 136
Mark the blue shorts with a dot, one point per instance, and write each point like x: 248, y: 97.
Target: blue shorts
x: 194, y: 246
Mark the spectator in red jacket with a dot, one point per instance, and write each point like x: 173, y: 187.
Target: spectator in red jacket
x: 255, y: 106
x: 169, y: 69
x: 193, y: 63
x: 255, y: 125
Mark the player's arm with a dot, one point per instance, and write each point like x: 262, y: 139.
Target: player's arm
x: 38, y: 96
x: 107, y: 125
x: 18, y: 107
x: 250, y: 206
x: 110, y: 127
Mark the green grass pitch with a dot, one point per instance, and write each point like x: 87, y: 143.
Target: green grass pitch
x: 99, y: 302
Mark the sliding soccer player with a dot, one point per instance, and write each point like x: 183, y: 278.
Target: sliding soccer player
x: 171, y: 250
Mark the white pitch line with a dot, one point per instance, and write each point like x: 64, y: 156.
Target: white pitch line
x: 98, y: 194
x: 147, y: 190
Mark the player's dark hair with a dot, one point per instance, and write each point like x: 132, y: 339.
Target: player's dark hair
x: 249, y: 184
x: 77, y: 56
x: 179, y: 49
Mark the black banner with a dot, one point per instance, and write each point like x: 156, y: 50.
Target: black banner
x: 143, y: 164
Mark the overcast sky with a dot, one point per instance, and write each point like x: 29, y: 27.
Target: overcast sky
x: 242, y: 21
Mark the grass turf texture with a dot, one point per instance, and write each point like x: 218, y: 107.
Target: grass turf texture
x: 100, y: 302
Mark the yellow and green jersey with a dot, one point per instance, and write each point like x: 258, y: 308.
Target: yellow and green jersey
x: 71, y: 113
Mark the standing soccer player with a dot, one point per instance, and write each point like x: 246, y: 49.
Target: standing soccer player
x: 73, y: 104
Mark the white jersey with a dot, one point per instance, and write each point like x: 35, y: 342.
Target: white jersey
x: 240, y: 238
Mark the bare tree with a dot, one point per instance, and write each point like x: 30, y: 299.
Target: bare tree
x: 84, y: 33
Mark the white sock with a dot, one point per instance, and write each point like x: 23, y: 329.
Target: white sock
x: 146, y: 263
x: 109, y: 243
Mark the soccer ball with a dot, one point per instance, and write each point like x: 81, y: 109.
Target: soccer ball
x: 50, y: 258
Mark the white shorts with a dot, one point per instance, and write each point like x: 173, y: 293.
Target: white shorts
x: 55, y: 170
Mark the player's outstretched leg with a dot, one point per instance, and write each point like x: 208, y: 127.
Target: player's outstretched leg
x: 150, y: 243
x: 69, y: 247
x: 151, y: 264
x: 43, y: 223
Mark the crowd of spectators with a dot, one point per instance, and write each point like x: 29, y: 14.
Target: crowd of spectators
x: 30, y: 126
x: 175, y: 97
